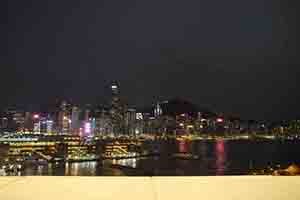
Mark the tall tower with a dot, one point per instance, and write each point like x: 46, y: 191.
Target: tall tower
x: 117, y: 110
x: 36, y: 124
x: 64, y: 120
x: 87, y: 120
x: 157, y: 110
x: 115, y: 88
x: 75, y: 124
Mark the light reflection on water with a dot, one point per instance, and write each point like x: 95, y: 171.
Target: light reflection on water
x: 216, y: 158
x: 131, y: 162
x: 81, y: 168
x: 183, y: 146
x: 220, y: 154
x: 40, y: 170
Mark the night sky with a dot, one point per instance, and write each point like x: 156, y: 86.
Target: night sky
x: 237, y: 56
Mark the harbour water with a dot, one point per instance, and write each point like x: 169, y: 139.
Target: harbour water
x: 220, y: 157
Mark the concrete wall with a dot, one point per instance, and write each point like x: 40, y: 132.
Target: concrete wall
x: 147, y: 188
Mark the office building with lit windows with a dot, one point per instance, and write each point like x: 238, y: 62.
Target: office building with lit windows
x: 75, y: 120
x: 117, y: 111
x: 130, y: 122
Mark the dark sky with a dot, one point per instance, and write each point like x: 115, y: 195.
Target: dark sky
x: 237, y: 56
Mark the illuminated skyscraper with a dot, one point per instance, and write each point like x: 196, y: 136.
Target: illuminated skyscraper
x: 86, y: 121
x: 130, y: 121
x: 13, y: 120
x: 139, y: 128
x: 87, y: 128
x: 64, y: 119
x: 115, y: 88
x: 103, y: 123
x: 49, y: 127
x: 36, y: 124
x: 157, y: 110
x: 117, y: 111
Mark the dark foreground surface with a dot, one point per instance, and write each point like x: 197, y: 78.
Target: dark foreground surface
x: 215, y: 158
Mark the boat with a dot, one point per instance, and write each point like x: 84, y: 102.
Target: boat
x: 292, y: 170
x: 185, y: 156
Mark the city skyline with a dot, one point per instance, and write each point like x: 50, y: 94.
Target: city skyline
x: 237, y: 57
x: 49, y: 106
x: 105, y: 102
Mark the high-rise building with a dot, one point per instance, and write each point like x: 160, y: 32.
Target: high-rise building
x: 45, y: 124
x: 19, y: 120
x: 36, y: 123
x: 28, y: 122
x: 13, y: 120
x: 64, y: 118
x: 87, y: 122
x: 139, y: 129
x: 4, y: 122
x: 103, y: 125
x: 157, y: 110
x: 130, y: 122
x: 87, y: 128
x: 115, y: 88
x: 49, y: 126
x: 75, y: 122
x: 117, y: 111
x: 87, y: 112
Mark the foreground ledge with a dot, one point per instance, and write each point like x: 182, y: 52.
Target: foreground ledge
x: 150, y: 188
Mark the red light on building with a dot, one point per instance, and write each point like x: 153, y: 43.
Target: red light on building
x: 220, y: 120
x: 36, y: 116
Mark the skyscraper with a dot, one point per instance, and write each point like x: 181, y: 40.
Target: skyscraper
x: 49, y: 126
x: 115, y: 88
x: 13, y: 120
x: 64, y: 120
x: 103, y: 122
x: 157, y: 110
x: 28, y: 122
x: 117, y: 111
x: 75, y: 122
x: 36, y: 124
x: 130, y: 122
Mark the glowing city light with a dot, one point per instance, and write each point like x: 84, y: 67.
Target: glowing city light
x: 220, y: 120
x: 87, y: 127
x: 137, y: 131
x: 36, y: 116
x: 139, y: 116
